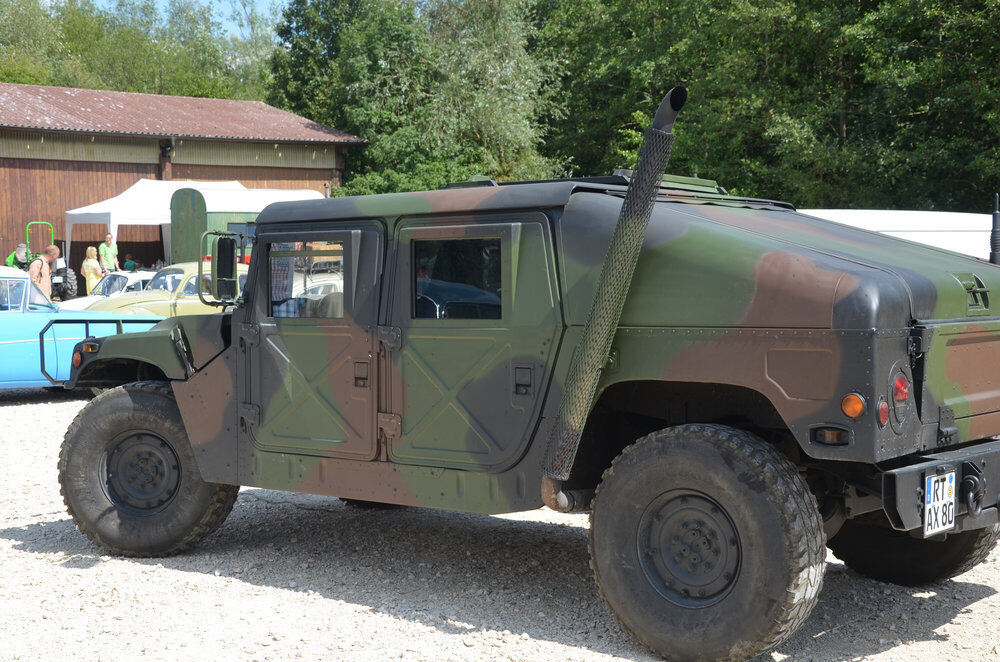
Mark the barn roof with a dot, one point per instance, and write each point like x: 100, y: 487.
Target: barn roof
x: 156, y: 115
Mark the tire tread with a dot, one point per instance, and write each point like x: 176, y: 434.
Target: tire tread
x: 798, y: 505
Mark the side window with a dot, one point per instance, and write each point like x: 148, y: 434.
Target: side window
x: 457, y: 278
x: 306, y: 279
x: 11, y: 295
x: 190, y: 287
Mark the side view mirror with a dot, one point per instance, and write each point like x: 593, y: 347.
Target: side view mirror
x: 223, y: 283
x: 222, y: 286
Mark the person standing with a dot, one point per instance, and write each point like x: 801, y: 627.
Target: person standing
x: 91, y: 269
x: 109, y: 254
x: 19, y: 258
x: 40, y: 270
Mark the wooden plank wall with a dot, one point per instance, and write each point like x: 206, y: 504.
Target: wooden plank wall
x: 42, y: 190
x: 260, y: 177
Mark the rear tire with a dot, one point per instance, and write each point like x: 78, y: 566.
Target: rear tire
x: 875, y: 550
x: 706, y: 544
x: 129, y: 477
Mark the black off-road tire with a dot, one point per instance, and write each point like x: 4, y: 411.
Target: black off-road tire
x: 143, y: 418
x: 727, y: 504
x: 875, y: 550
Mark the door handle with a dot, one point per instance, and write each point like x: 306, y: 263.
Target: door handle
x: 523, y: 380
x: 361, y: 374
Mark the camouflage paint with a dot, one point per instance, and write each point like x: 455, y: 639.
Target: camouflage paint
x: 727, y: 291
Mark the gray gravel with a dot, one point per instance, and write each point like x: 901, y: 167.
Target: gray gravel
x: 302, y: 577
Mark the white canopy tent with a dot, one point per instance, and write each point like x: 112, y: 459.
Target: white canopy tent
x: 147, y: 202
x: 953, y: 231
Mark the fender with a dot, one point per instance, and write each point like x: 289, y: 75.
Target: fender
x: 177, y: 347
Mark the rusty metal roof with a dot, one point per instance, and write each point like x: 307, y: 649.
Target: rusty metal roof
x: 156, y: 115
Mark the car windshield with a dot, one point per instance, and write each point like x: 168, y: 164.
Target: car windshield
x: 166, y: 279
x: 11, y: 294
x: 110, y: 284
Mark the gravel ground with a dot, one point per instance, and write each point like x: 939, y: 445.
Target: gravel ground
x: 302, y: 577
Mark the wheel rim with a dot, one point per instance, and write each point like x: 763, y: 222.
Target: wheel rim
x: 141, y: 473
x: 689, y: 548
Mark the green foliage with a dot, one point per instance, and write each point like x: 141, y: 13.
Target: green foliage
x: 442, y: 90
x: 825, y: 104
x: 134, y: 47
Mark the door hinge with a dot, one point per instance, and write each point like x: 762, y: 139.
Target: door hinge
x: 249, y: 335
x: 249, y: 415
x: 390, y: 426
x: 391, y: 337
x: 919, y: 341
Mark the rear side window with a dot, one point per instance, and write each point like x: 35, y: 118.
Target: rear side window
x: 457, y: 278
x: 306, y: 279
x: 11, y: 295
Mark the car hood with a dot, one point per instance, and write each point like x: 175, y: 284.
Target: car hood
x: 725, y: 264
x: 938, y: 283
x: 131, y: 300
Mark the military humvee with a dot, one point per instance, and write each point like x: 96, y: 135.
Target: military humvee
x: 765, y: 382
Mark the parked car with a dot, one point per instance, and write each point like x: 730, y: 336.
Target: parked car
x: 25, y: 313
x: 172, y: 291
x: 113, y: 284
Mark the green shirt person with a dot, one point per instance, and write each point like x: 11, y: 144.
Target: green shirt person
x: 19, y: 258
x: 108, y: 254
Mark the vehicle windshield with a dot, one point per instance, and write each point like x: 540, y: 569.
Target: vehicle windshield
x: 166, y: 279
x: 110, y: 284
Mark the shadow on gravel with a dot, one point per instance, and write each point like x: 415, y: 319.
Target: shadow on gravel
x: 462, y: 573
x: 34, y: 396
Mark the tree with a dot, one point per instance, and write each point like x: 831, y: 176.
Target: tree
x: 441, y: 90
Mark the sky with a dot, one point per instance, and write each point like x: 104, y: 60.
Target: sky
x: 222, y: 9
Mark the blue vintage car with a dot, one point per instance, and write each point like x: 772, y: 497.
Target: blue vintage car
x: 26, y: 316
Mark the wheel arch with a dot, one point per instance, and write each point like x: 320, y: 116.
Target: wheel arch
x: 116, y: 371
x: 628, y: 410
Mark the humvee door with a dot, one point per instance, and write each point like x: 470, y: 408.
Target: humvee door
x: 311, y: 342
x: 474, y: 317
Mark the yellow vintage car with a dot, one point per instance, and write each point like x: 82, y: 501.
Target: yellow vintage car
x: 172, y: 291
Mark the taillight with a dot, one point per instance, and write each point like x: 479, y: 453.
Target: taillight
x: 900, y: 388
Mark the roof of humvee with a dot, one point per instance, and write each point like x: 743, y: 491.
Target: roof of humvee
x: 479, y: 198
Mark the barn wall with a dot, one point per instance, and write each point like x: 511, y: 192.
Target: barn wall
x: 257, y: 177
x: 42, y: 175
x: 42, y: 190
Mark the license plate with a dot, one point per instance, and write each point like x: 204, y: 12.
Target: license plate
x: 939, y: 503
x: 57, y: 279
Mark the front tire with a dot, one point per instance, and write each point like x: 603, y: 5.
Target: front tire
x: 129, y: 477
x: 706, y: 544
x: 875, y: 550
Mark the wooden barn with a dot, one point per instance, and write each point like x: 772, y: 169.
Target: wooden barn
x: 63, y: 148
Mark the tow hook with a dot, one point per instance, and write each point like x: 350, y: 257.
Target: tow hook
x: 973, y: 488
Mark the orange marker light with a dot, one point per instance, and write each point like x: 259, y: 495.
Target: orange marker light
x: 77, y: 359
x: 853, y: 405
